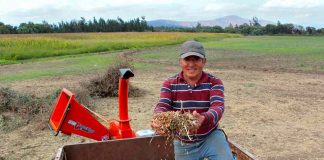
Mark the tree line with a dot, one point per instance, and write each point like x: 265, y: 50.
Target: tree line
x: 140, y: 25
x: 253, y: 28
x: 82, y: 25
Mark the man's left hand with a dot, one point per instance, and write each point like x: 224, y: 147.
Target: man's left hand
x: 200, y: 120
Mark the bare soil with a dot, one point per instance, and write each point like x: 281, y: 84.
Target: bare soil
x: 273, y: 114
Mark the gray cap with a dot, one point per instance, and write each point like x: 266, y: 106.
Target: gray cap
x: 192, y: 48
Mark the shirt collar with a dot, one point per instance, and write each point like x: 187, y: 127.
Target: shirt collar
x: 203, y: 78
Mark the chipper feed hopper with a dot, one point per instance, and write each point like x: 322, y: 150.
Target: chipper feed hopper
x: 118, y: 141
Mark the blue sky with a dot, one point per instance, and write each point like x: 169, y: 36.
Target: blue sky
x: 302, y: 12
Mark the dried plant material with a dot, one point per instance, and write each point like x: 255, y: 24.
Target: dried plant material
x: 174, y: 122
x: 107, y: 85
x: 18, y: 109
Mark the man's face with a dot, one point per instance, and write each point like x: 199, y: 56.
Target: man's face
x: 192, y: 66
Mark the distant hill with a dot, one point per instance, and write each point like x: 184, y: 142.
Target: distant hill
x: 170, y: 23
x: 223, y: 22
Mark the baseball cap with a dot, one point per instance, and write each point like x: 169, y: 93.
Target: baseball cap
x: 192, y: 48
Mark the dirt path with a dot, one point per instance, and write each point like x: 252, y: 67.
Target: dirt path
x: 274, y: 115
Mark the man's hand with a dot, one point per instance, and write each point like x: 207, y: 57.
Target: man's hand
x: 200, y: 120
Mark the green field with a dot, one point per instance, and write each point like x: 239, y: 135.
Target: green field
x: 277, y: 53
x: 66, y: 54
x: 31, y: 46
x: 303, y: 46
x: 311, y: 46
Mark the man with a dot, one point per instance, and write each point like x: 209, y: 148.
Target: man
x: 201, y: 94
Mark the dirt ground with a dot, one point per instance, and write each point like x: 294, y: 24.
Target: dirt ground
x: 273, y: 115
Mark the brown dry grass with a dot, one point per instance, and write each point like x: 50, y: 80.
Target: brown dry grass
x: 107, y: 85
x: 174, y: 122
x: 274, y: 114
x: 18, y: 109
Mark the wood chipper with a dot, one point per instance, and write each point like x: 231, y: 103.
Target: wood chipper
x: 118, y: 141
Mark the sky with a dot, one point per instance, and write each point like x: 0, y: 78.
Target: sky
x: 301, y: 12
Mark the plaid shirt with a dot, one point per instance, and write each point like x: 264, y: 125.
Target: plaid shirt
x: 206, y: 97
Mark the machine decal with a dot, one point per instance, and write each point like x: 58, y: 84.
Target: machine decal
x: 81, y: 127
x: 105, y: 138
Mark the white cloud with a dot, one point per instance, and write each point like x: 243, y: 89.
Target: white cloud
x: 28, y: 4
x: 17, y: 11
x: 304, y: 12
x: 292, y: 3
x: 135, y: 2
x: 32, y: 4
x: 221, y: 7
x: 302, y: 16
x: 25, y: 5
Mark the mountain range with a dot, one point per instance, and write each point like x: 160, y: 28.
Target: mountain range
x: 223, y: 22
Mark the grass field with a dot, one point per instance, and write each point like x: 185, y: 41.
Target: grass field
x: 22, y: 47
x: 269, y: 80
x: 303, y: 53
x: 303, y: 46
x: 308, y: 46
x: 78, y: 53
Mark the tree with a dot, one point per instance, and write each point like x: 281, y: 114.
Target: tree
x: 256, y: 30
x: 102, y: 25
x: 83, y: 25
x: 122, y: 24
x: 255, y: 22
x: 7, y: 29
x: 270, y: 29
x: 230, y: 29
x: 27, y: 28
x: 310, y: 30
x: 198, y: 26
x: 245, y: 29
x: 45, y: 28
x: 144, y: 25
x: 287, y: 28
x: 298, y: 29
x: 320, y: 31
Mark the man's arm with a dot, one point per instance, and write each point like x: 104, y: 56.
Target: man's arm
x: 215, y: 112
x: 165, y: 102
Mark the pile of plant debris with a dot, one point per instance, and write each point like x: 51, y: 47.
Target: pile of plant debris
x: 107, y: 85
x: 18, y: 109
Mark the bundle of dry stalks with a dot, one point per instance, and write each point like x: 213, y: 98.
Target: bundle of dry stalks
x: 174, y: 122
x: 107, y: 85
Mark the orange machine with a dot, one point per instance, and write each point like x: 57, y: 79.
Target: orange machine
x: 69, y: 116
